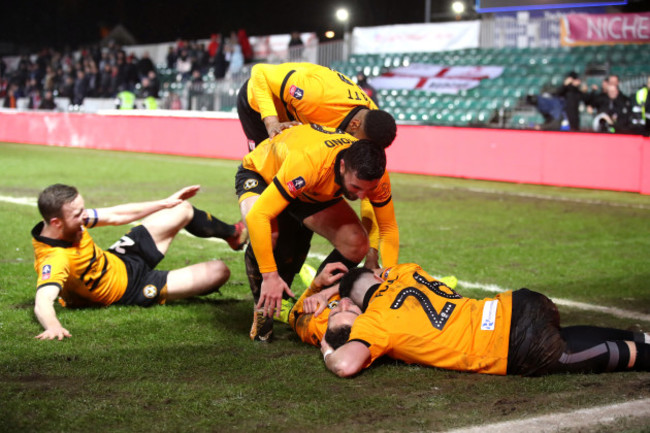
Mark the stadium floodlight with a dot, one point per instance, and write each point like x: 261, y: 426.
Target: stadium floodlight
x: 458, y: 7
x: 329, y: 34
x: 343, y: 15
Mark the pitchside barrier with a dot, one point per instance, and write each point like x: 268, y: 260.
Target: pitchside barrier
x: 584, y: 160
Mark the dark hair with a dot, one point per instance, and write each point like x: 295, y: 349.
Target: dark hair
x: 572, y: 74
x: 366, y: 159
x: 348, y: 280
x: 52, y: 199
x: 379, y: 126
x: 337, y: 337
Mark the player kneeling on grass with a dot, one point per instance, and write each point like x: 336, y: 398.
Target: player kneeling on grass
x: 69, y: 264
x: 408, y: 315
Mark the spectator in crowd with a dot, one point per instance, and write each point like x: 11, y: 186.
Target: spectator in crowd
x: 131, y: 71
x: 67, y: 87
x: 296, y: 47
x: 236, y: 56
x: 80, y: 88
x: 362, y: 81
x: 614, y: 111
x: 572, y: 93
x: 184, y: 64
x: 49, y: 81
x: 643, y: 101
x: 145, y: 65
x: 10, y: 100
x: 197, y: 78
x: 153, y: 84
x: 246, y: 48
x: 92, y: 77
x: 33, y: 93
x: 47, y: 103
x: 213, y: 46
x: 104, y: 89
x: 220, y: 62
x: 171, y: 57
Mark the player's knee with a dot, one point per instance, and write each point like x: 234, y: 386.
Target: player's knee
x: 355, y: 248
x: 185, y: 212
x: 219, y: 271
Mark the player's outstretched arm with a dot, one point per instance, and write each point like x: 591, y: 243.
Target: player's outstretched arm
x: 129, y: 212
x: 44, y: 311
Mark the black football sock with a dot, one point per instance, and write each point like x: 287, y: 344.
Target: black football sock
x: 336, y: 256
x: 594, y: 349
x: 204, y: 225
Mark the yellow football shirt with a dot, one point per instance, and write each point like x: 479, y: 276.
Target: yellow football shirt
x: 304, y: 92
x: 86, y: 274
x: 416, y: 319
x: 301, y: 163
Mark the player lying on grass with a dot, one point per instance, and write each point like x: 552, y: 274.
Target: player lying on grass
x: 69, y: 264
x: 294, y: 185
x: 309, y: 316
x: 408, y: 315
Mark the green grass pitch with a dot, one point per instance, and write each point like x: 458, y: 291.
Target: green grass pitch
x: 189, y: 365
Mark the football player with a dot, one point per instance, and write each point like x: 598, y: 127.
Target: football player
x: 302, y: 175
x: 70, y: 266
x: 410, y: 316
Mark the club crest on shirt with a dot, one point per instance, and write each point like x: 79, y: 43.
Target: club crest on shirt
x: 296, y: 184
x: 250, y: 184
x: 150, y: 291
x: 46, y: 272
x: 296, y: 92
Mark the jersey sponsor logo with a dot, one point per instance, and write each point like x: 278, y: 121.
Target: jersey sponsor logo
x: 46, y: 272
x: 250, y: 184
x: 489, y: 315
x: 296, y: 184
x: 150, y: 291
x: 296, y: 92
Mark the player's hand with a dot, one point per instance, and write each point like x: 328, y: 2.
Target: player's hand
x: 331, y: 273
x: 273, y: 287
x: 276, y: 128
x: 316, y: 303
x: 54, y: 333
x: 181, y: 195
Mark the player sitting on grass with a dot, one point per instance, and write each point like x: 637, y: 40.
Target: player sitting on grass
x: 69, y: 264
x: 408, y: 315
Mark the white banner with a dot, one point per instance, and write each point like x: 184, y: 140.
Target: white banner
x: 435, y: 78
x: 407, y: 38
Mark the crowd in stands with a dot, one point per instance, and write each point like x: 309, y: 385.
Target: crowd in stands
x: 222, y: 55
x: 613, y: 110
x: 106, y: 72
x: 92, y: 72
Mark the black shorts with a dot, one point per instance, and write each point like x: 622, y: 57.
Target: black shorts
x: 146, y: 286
x: 251, y: 120
x: 248, y: 181
x: 535, y: 340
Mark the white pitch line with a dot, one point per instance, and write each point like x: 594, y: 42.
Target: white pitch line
x: 618, y: 312
x: 579, y: 419
x: 539, y: 196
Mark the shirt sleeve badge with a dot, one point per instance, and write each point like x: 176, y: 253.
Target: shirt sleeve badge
x: 296, y: 92
x: 296, y: 184
x: 46, y: 272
